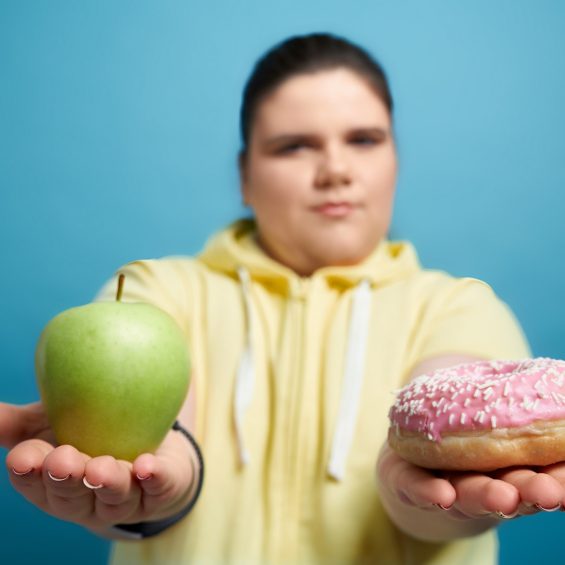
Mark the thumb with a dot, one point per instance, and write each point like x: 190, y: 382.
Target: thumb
x: 18, y: 423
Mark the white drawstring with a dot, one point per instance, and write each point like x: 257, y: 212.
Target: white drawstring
x: 352, y: 379
x: 245, y: 371
x: 351, y: 385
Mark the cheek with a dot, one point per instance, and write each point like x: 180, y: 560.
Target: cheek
x: 382, y: 180
x: 381, y: 185
x: 276, y: 184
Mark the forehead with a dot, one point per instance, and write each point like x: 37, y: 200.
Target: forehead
x: 337, y: 97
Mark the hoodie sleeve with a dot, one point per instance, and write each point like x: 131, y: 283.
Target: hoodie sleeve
x: 165, y: 283
x: 464, y: 316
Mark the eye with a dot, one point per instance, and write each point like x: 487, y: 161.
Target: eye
x: 368, y: 138
x: 364, y: 140
x: 292, y: 147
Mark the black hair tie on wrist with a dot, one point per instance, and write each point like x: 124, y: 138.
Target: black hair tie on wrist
x: 148, y: 529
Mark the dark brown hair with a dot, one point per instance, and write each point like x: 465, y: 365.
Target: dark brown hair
x: 303, y: 55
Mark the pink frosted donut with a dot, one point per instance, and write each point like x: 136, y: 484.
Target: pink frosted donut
x: 482, y: 416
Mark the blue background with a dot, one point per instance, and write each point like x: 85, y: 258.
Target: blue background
x: 118, y: 140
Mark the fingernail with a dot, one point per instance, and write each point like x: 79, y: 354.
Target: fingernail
x: 22, y: 473
x: 548, y: 509
x: 506, y: 516
x: 144, y: 477
x: 57, y: 479
x: 442, y: 507
x: 91, y: 487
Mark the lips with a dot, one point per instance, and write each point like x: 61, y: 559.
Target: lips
x: 334, y: 209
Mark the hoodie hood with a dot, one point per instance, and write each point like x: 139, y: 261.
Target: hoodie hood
x: 237, y: 247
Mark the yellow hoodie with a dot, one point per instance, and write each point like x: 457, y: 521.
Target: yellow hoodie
x: 294, y: 378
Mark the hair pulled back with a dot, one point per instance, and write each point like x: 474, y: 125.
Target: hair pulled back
x: 304, y: 55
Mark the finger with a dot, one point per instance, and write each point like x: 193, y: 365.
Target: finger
x: 63, y: 470
x: 12, y: 424
x: 117, y: 495
x: 425, y: 489
x: 161, y: 477
x: 28, y: 455
x: 415, y: 485
x: 540, y: 490
x: 168, y: 477
x: 557, y: 471
x: 63, y: 466
x: 110, y: 479
x: 25, y: 465
x: 170, y: 471
x: 481, y: 495
x: 20, y: 423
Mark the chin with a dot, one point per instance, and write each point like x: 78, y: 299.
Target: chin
x: 337, y: 259
x: 344, y: 253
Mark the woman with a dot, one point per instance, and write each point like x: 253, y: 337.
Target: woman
x: 300, y: 323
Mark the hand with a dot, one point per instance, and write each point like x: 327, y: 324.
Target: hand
x: 506, y: 493
x: 94, y: 492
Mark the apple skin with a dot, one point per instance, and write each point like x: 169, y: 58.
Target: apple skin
x: 112, y: 377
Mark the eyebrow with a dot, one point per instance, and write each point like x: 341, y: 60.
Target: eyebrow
x: 287, y: 137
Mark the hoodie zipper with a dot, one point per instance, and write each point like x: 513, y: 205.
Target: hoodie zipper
x: 299, y: 437
x: 285, y: 505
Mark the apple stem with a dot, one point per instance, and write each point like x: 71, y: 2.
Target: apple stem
x: 120, y: 290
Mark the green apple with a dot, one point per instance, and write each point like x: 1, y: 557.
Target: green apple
x: 112, y: 376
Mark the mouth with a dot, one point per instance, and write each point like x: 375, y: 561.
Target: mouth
x: 334, y: 209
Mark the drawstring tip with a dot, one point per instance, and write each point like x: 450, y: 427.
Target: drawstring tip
x: 336, y: 472
x: 244, y: 458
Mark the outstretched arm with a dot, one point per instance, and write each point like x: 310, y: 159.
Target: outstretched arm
x: 94, y: 492
x: 438, y: 506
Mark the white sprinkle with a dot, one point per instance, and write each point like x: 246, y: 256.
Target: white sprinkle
x: 463, y: 418
x: 527, y: 403
x: 467, y: 402
x: 486, y: 384
x: 451, y: 419
x: 479, y: 416
x: 493, y: 421
x: 488, y: 393
x: 558, y: 398
x: 558, y: 380
x: 506, y: 389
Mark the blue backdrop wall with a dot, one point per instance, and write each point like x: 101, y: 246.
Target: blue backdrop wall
x: 118, y: 139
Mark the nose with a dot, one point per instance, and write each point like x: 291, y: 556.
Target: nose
x: 332, y: 171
